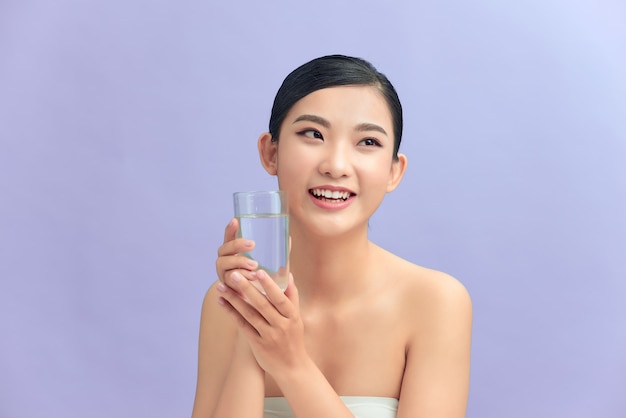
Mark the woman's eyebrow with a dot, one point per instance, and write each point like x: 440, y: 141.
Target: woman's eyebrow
x: 362, y: 127
x: 315, y: 119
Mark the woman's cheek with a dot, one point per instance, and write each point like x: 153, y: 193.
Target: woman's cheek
x: 293, y: 161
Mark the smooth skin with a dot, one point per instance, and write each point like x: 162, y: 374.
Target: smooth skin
x: 355, y: 320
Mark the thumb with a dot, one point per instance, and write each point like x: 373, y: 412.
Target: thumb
x: 230, y: 233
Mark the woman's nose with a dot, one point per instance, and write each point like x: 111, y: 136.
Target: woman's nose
x: 336, y: 162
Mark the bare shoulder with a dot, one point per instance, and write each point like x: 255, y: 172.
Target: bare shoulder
x: 426, y: 292
x: 215, y: 346
x: 435, y: 310
x: 216, y: 328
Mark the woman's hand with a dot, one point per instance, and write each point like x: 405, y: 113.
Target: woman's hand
x: 271, y: 323
x: 230, y: 258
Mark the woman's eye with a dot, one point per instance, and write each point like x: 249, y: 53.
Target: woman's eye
x: 369, y: 142
x: 312, y: 133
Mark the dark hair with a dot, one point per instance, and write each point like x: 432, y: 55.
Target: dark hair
x: 331, y: 71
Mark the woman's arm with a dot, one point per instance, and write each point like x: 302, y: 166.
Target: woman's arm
x: 228, y: 375
x: 244, y: 388
x: 229, y: 378
x: 436, y: 378
x: 273, y: 329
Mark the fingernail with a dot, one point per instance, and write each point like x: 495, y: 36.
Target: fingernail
x: 236, y: 276
x: 221, y: 287
x: 251, y: 263
x: 248, y: 244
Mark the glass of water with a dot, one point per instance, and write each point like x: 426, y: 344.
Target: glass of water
x: 264, y: 218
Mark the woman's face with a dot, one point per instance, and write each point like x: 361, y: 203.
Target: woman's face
x: 335, y: 158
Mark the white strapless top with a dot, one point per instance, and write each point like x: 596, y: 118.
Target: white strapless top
x: 360, y: 406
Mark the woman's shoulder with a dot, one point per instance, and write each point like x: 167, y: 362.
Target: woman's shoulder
x: 214, y: 320
x: 423, y: 288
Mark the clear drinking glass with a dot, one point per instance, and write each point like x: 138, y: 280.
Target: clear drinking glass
x: 264, y: 218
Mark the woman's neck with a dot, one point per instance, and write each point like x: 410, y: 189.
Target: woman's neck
x: 328, y: 269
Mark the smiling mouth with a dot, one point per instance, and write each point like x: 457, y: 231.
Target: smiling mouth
x: 330, y: 195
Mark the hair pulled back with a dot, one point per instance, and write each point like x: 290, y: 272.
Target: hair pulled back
x: 332, y: 71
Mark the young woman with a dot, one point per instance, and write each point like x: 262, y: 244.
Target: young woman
x: 358, y: 331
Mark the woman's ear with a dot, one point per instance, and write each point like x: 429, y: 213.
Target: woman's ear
x: 268, y: 153
x: 398, y: 167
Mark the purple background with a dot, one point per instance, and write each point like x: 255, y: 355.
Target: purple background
x: 126, y: 125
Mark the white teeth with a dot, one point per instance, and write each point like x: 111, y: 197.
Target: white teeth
x: 329, y: 194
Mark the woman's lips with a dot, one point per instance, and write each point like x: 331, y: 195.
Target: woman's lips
x: 331, y: 198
